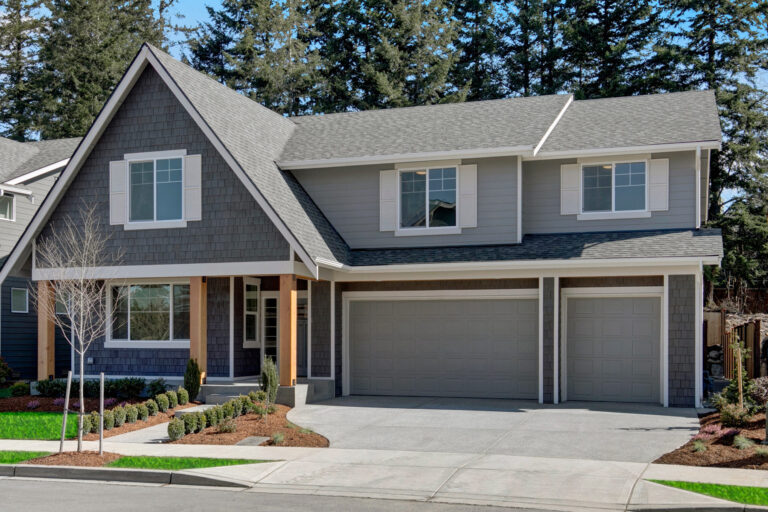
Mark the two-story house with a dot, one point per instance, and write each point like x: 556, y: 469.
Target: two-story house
x: 27, y: 172
x: 533, y: 248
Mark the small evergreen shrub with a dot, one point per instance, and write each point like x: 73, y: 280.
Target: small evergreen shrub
x: 156, y: 387
x: 176, y: 429
x: 269, y: 381
x: 109, y: 420
x: 227, y: 426
x: 762, y: 451
x: 260, y: 410
x: 220, y: 414
x: 244, y: 401
x: 229, y: 411
x: 119, y: 415
x: 183, y: 396
x: 261, y: 396
x: 733, y: 416
x: 730, y: 396
x: 131, y: 414
x: 87, y: 424
x: 5, y: 371
x: 272, y: 409
x: 143, y: 411
x: 235, y: 406
x: 252, y: 396
x: 699, y: 446
x: 173, y: 399
x: 190, y: 423
x: 162, y: 402
x: 192, y: 379
x: 95, y: 420
x: 278, y: 438
x: 758, y: 391
x: 202, y: 421
x: 52, y: 388
x: 211, y: 417
x: 742, y: 443
x: 151, y: 407
x: 20, y: 389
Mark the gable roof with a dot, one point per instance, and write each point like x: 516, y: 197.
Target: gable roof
x: 41, y: 154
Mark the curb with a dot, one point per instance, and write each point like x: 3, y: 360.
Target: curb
x: 142, y: 476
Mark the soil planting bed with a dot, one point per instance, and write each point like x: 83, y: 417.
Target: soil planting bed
x: 160, y: 417
x: 19, y: 404
x: 91, y: 459
x: 253, y: 425
x: 720, y: 452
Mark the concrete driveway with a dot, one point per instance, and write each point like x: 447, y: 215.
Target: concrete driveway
x: 574, y: 430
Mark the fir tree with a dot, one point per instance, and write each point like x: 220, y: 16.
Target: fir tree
x: 524, y: 28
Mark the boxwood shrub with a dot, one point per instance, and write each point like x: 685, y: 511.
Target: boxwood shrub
x: 183, y: 396
x: 151, y: 407
x: 19, y: 389
x: 109, y: 420
x: 173, y: 399
x: 162, y: 402
x: 176, y: 429
x: 202, y: 421
x: 143, y: 411
x: 190, y: 423
x: 211, y: 417
x: 119, y: 416
x: 131, y: 414
x: 95, y: 420
x: 220, y: 414
x: 87, y: 424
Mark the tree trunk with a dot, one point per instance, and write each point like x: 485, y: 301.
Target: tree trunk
x: 82, y: 405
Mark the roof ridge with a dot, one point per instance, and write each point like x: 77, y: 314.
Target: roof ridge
x: 655, y: 94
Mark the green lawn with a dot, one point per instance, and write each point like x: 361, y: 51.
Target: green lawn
x: 737, y: 493
x: 173, y: 463
x: 35, y: 425
x: 15, y: 457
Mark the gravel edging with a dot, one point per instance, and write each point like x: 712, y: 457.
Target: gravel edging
x: 143, y: 476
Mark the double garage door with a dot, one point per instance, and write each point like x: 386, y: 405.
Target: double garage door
x: 488, y: 348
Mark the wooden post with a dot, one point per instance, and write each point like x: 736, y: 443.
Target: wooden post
x: 288, y: 322
x: 46, y: 345
x: 198, y: 323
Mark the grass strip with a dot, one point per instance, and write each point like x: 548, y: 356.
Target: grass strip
x: 737, y: 493
x: 174, y: 463
x: 12, y: 457
x: 35, y: 425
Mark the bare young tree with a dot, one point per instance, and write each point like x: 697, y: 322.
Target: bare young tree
x: 76, y: 248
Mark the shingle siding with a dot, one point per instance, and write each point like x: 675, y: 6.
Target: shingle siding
x: 682, y: 340
x: 548, y: 364
x: 218, y: 326
x: 233, y: 227
x: 321, y: 329
x: 247, y: 360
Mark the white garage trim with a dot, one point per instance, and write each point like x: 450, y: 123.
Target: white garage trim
x: 348, y: 297
x: 607, y: 292
x: 541, y: 340
x: 556, y: 340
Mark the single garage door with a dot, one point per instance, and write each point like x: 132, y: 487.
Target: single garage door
x: 455, y: 348
x: 613, y: 349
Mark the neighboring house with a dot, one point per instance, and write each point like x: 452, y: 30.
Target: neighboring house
x: 533, y: 248
x: 27, y: 172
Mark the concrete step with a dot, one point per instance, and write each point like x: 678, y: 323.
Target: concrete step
x: 217, y: 399
x: 189, y: 410
x: 238, y: 388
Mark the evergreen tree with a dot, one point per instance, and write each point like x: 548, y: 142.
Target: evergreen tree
x: 262, y: 49
x: 553, y: 74
x: 20, y: 27
x: 524, y: 28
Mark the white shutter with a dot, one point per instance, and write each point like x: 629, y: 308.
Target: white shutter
x: 118, y: 182
x: 659, y: 185
x: 468, y: 196
x: 569, y: 189
x: 387, y: 200
x: 193, y: 198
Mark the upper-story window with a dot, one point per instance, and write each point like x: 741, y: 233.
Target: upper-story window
x: 614, y: 187
x: 7, y: 206
x: 156, y: 189
x: 428, y: 198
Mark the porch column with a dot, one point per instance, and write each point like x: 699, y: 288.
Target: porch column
x: 46, y: 347
x: 288, y: 322
x: 198, y: 323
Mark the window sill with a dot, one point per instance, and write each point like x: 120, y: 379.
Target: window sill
x: 613, y: 215
x: 251, y: 344
x: 427, y: 231
x: 147, y: 344
x: 166, y: 224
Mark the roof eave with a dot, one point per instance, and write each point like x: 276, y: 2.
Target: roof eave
x: 623, y: 150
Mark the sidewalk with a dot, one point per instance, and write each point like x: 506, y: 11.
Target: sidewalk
x: 501, y: 480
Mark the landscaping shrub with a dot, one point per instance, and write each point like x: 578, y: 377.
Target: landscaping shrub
x: 228, y: 410
x: 119, y: 415
x: 234, y: 404
x: 192, y: 379
x: 33, y: 404
x: 87, y: 424
x: 131, y: 414
x: 220, y: 414
x: 5, y: 371
x: 244, y: 402
x: 52, y: 388
x: 278, y: 438
x: 95, y: 420
x: 758, y: 391
x: 733, y: 416
x: 269, y: 382
x: 202, y: 421
x: 91, y: 388
x: 211, y: 417
x: 252, y: 396
x: 173, y: 399
x: 109, y: 420
x: 190, y: 423
x: 151, y: 407
x: 21, y: 389
x: 162, y: 402
x: 176, y: 429
x: 742, y: 443
x: 227, y: 426
x: 730, y: 396
x: 183, y: 396
x: 261, y: 396
x: 129, y: 387
x: 272, y: 409
x: 156, y: 387
x: 259, y: 409
x: 143, y: 411
x: 762, y: 451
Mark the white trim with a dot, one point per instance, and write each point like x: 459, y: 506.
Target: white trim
x: 137, y: 344
x: 541, y: 340
x: 26, y: 300
x: 14, y: 190
x: 395, y: 158
x: 171, y: 271
x: 436, y: 164
x: 252, y: 281
x: 333, y: 331
x: 427, y: 229
x: 665, y: 342
x: 13, y: 207
x: 651, y: 148
x: 553, y: 125
x: 39, y: 172
x: 155, y: 155
x: 309, y: 329
x: 556, y: 341
x: 442, y: 230
x: 705, y: 213
x: 613, y: 215
x: 698, y: 187
x: 231, y: 327
x: 608, y: 292
x: 698, y: 348
x: 173, y: 378
x: 348, y: 297
x: 519, y: 199
x: 154, y: 224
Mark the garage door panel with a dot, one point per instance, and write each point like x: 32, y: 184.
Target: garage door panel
x: 474, y: 348
x: 617, y: 357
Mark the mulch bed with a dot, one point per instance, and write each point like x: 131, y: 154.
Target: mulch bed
x: 720, y: 453
x: 90, y: 459
x: 160, y: 417
x: 19, y: 404
x: 253, y: 425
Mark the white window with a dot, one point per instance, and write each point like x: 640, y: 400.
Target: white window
x: 149, y: 314
x: 61, y: 304
x: 19, y: 300
x: 251, y: 312
x: 7, y: 207
x: 614, y: 187
x: 156, y: 189
x: 270, y: 330
x: 428, y: 198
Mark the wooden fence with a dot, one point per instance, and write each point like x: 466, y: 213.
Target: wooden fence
x: 749, y: 333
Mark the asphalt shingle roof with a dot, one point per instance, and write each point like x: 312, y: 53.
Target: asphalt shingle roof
x: 570, y: 246
x: 18, y: 159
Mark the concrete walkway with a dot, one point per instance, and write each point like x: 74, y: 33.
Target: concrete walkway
x: 450, y: 477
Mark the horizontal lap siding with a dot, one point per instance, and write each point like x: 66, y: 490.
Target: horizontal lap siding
x: 26, y: 206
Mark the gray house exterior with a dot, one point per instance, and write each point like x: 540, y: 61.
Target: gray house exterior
x: 530, y: 248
